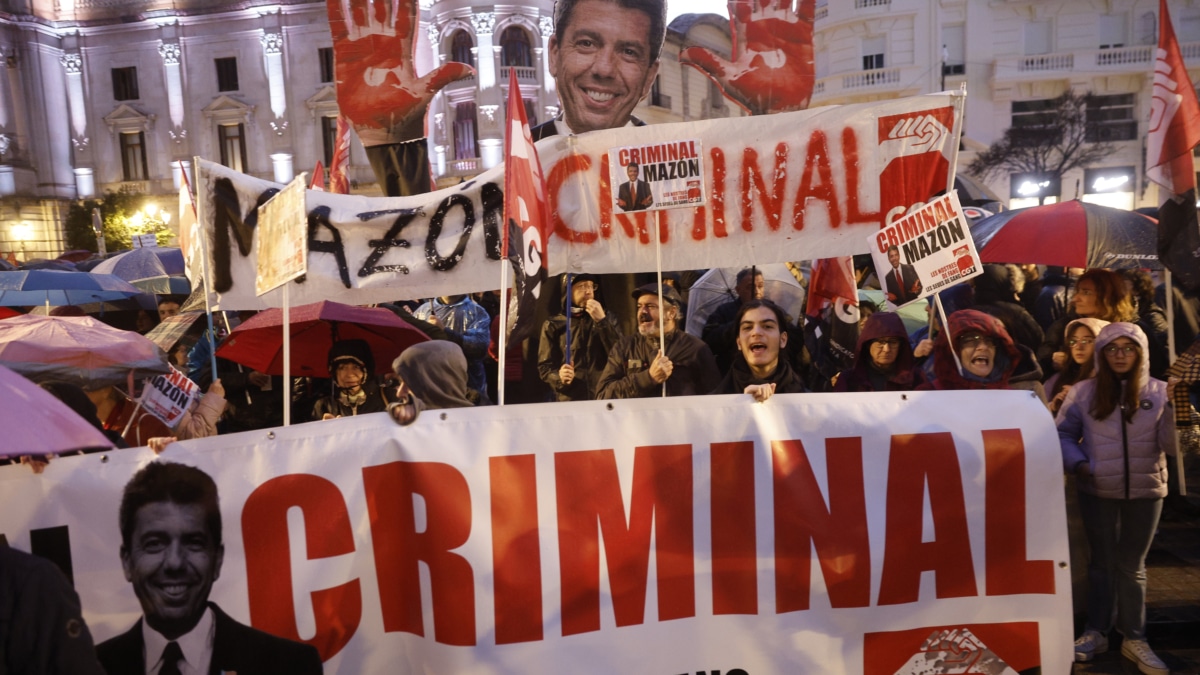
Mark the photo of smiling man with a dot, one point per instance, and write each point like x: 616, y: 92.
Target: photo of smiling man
x: 171, y: 552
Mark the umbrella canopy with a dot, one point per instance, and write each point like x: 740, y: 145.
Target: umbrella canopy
x: 44, y: 264
x: 154, y: 270
x: 258, y: 342
x: 717, y: 287
x: 77, y: 349
x: 1070, y: 234
x: 40, y: 287
x: 974, y: 193
x: 172, y: 328
x: 37, y: 423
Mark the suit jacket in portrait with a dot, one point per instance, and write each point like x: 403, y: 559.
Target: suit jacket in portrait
x: 635, y: 195
x: 236, y: 648
x: 909, y: 288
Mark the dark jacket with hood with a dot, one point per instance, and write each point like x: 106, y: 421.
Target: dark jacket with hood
x: 341, y: 403
x: 1014, y: 366
x: 864, y: 376
x: 436, y: 373
x: 591, y: 341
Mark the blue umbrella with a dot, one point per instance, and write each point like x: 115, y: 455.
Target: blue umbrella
x: 52, y: 287
x: 154, y: 270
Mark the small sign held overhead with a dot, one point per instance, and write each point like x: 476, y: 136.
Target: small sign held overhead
x: 282, y: 238
x: 144, y: 241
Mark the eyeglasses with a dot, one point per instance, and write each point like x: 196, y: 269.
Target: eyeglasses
x: 973, y: 340
x: 1082, y: 342
x: 1126, y: 350
x: 889, y: 342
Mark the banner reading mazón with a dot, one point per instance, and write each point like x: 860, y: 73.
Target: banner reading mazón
x: 790, y: 186
x: 840, y: 533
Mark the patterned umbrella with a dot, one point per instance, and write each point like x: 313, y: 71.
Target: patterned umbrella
x: 77, y: 349
x: 53, y: 287
x: 1070, y: 234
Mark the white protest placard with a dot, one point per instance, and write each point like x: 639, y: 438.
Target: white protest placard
x: 144, y: 241
x: 857, y: 534
x: 925, y: 251
x: 283, y: 237
x: 168, y: 396
x: 662, y: 175
x: 789, y: 186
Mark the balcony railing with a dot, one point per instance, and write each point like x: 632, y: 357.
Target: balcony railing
x: 871, y: 78
x: 463, y: 167
x: 1085, y: 61
x: 860, y: 4
x: 525, y: 74
x: 898, y: 80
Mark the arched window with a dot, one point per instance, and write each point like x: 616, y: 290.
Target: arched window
x: 460, y: 48
x: 515, y: 49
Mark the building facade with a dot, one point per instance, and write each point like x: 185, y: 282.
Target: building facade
x: 105, y: 95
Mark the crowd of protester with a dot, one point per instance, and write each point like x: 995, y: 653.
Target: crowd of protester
x: 1090, y: 344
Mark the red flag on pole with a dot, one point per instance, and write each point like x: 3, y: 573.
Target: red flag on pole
x: 339, y: 165
x: 832, y: 279
x: 526, y: 229
x: 1174, y: 115
x: 318, y: 177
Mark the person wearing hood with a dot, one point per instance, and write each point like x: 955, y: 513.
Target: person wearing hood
x: 1116, y: 431
x: 592, y: 333
x: 355, y: 392
x: 1081, y: 341
x: 884, y: 360
x: 757, y: 368
x: 989, y: 358
x: 433, y: 376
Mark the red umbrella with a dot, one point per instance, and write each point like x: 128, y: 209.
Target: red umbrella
x: 1071, y: 234
x: 258, y: 342
x: 36, y: 423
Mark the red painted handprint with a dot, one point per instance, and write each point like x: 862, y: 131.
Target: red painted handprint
x: 772, y: 66
x: 378, y: 88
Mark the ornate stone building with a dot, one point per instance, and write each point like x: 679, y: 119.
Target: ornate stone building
x: 101, y: 95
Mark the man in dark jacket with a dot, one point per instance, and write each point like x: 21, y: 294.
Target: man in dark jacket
x: 884, y: 360
x: 592, y: 333
x: 757, y: 368
x: 639, y: 364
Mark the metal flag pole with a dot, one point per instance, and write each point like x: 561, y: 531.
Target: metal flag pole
x: 212, y: 333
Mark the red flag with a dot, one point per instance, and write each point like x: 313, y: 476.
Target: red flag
x: 318, y: 178
x: 1174, y: 115
x: 525, y: 215
x: 832, y: 280
x: 339, y: 166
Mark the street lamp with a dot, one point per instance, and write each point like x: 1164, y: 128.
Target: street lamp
x: 22, y: 232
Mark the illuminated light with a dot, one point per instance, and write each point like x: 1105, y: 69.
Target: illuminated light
x: 1030, y: 188
x: 22, y: 231
x: 1103, y: 184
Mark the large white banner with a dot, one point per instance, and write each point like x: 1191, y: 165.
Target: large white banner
x: 836, y: 533
x: 778, y: 188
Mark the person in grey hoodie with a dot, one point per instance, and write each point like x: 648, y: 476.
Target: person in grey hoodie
x: 1116, y: 430
x: 433, y: 376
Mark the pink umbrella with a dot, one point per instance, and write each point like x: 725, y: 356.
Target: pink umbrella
x: 77, y: 349
x: 36, y: 423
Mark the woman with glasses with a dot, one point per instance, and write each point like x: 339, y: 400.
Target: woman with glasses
x: 1116, y: 430
x: 988, y: 357
x: 884, y: 360
x: 1081, y: 339
x: 1099, y: 294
